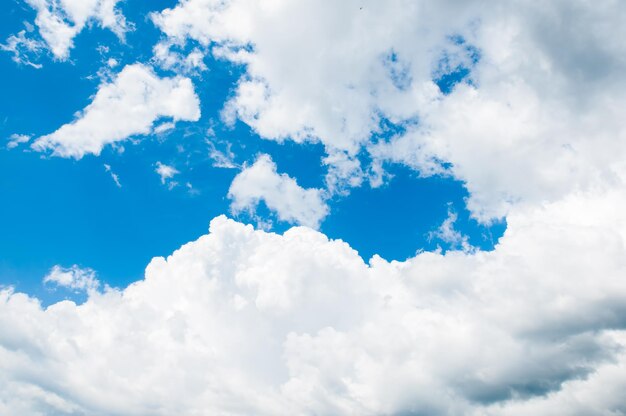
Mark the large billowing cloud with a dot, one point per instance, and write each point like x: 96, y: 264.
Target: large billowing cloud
x: 248, y: 322
x: 134, y: 101
x: 538, y: 115
x: 321, y: 69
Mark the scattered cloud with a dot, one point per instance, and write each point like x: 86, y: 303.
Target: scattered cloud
x: 281, y: 194
x: 163, y: 127
x: 448, y: 234
x: 73, y: 278
x: 58, y: 22
x: 166, y: 56
x: 166, y: 173
x: 135, y: 100
x: 222, y: 159
x: 344, y: 172
x: 24, y: 49
x: 17, y: 139
x: 191, y: 189
x: 114, y: 176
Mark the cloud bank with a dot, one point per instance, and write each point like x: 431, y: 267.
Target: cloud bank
x: 248, y: 322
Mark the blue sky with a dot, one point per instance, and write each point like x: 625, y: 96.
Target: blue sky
x: 65, y: 211
x: 312, y: 207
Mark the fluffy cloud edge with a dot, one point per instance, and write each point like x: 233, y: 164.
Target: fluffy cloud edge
x: 280, y: 193
x: 521, y: 126
x: 73, y: 278
x: 243, y: 321
x: 59, y: 22
x: 135, y: 99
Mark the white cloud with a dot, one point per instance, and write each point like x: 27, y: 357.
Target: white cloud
x: 447, y: 233
x: 164, y: 127
x: 17, y: 139
x: 23, y: 48
x: 130, y: 105
x: 281, y: 193
x: 114, y: 175
x: 59, y: 21
x: 344, y: 172
x: 190, y: 189
x: 341, y: 81
x: 248, y: 322
x: 73, y: 278
x: 165, y: 55
x: 535, y: 123
x: 166, y: 173
x: 222, y: 159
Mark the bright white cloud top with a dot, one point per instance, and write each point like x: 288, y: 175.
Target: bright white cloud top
x: 281, y: 193
x: 243, y: 321
x: 246, y: 322
x: 127, y: 106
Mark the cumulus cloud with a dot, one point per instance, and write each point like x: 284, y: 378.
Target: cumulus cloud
x: 248, y: 322
x: 529, y: 122
x: 60, y: 21
x: 127, y: 106
x: 73, y: 278
x: 281, y: 193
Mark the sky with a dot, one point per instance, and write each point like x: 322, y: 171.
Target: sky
x: 315, y: 207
